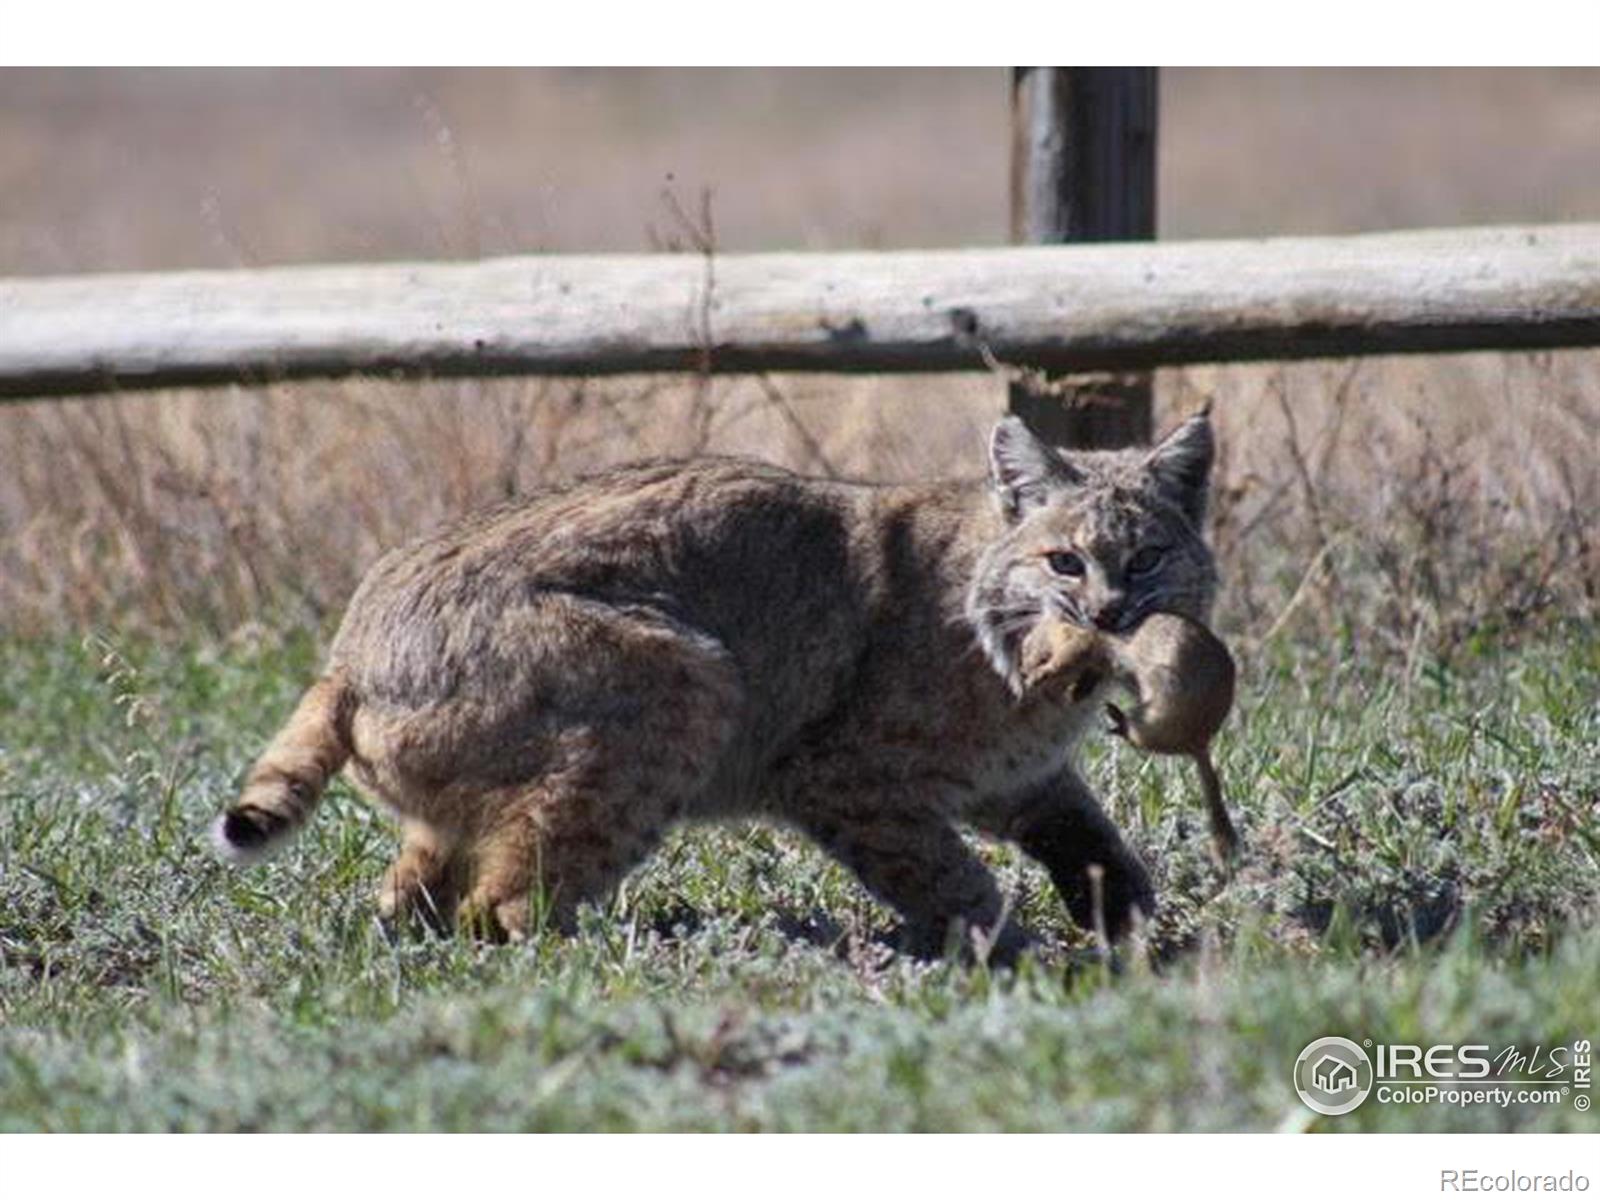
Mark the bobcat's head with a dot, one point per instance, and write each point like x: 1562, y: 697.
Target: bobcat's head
x: 1101, y: 538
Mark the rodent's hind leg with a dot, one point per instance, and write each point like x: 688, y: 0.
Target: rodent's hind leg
x: 1117, y: 721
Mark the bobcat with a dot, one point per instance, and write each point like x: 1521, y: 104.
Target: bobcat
x: 541, y: 690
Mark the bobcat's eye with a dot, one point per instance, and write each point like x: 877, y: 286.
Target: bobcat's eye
x: 1145, y: 560
x: 1065, y: 562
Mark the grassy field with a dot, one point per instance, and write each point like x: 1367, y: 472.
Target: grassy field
x: 1422, y: 867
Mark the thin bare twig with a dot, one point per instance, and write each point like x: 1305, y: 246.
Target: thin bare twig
x: 813, y: 447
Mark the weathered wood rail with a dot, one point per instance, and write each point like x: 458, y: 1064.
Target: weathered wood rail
x: 1062, y: 308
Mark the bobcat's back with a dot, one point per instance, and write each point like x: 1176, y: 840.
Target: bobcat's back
x: 789, y: 580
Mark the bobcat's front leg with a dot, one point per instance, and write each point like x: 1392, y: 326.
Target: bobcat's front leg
x: 909, y: 856
x: 1062, y: 826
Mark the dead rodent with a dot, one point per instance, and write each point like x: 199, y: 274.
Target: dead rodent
x: 1181, y: 675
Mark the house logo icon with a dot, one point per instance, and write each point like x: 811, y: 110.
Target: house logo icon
x: 1333, y: 1076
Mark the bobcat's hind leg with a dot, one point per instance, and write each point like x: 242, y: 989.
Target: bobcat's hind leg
x: 555, y: 848
x: 424, y: 881
x: 636, y: 746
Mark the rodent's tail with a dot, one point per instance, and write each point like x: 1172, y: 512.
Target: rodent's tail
x: 1224, y: 838
x: 284, y: 786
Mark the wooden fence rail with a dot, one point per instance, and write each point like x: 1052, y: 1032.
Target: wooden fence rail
x: 1062, y: 308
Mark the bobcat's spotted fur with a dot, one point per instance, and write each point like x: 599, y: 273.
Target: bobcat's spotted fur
x: 541, y: 690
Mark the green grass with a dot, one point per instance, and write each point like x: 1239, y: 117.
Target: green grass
x: 1423, y: 867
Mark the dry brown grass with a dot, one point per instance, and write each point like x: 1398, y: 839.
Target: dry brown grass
x: 1396, y: 505
x: 1405, y: 506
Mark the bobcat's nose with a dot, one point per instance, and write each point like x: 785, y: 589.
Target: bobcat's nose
x: 1109, y: 616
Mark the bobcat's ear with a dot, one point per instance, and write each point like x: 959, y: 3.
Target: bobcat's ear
x: 1181, y: 465
x: 1023, y: 469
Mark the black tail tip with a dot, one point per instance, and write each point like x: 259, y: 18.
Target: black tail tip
x: 244, y: 834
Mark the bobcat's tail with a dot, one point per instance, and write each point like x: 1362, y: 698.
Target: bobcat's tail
x: 284, y: 786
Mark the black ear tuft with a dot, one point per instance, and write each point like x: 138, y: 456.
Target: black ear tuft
x: 1023, y: 469
x: 1181, y: 465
